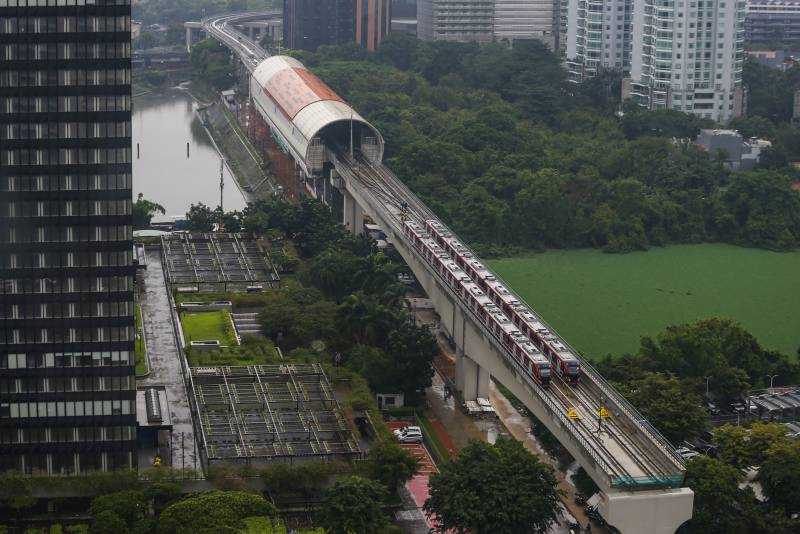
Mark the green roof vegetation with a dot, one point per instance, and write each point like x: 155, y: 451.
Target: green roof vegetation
x: 204, y: 326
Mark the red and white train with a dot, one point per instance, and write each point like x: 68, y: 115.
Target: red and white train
x: 518, y: 345
x: 566, y: 363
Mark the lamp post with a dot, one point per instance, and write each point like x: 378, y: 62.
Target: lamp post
x: 707, y: 379
x: 771, y: 380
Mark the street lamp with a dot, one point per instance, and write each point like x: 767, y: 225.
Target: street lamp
x: 771, y: 380
x: 707, y: 379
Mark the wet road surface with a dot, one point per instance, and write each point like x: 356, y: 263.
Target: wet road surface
x: 165, y: 365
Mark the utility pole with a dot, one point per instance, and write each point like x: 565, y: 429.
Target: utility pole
x: 221, y: 188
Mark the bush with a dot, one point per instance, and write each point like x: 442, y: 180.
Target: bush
x: 213, y: 512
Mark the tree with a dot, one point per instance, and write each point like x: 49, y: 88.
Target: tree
x: 129, y: 506
x: 107, y: 522
x: 719, y: 504
x: 200, y: 218
x: 352, y: 505
x: 391, y: 465
x: 493, y: 488
x: 666, y: 403
x: 294, y: 317
x: 144, y: 210
x: 732, y: 443
x: 412, y: 349
x: 780, y: 476
x: 212, y: 512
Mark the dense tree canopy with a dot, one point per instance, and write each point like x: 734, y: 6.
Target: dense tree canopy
x: 212, y: 512
x: 210, y: 61
x: 474, y: 492
x: 352, y: 505
x: 514, y: 157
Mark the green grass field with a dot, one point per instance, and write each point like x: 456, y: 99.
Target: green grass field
x: 603, y: 303
x: 204, y: 326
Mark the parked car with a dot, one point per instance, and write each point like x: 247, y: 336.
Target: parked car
x: 409, y: 434
x: 686, y: 453
x: 712, y: 408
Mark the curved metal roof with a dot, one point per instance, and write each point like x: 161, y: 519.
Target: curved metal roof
x: 304, y: 101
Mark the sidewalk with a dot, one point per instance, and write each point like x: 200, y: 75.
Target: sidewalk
x: 165, y: 365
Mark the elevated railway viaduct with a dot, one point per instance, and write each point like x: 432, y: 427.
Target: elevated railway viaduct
x: 638, y: 472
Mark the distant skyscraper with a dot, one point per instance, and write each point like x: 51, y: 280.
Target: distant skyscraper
x: 687, y: 56
x: 526, y: 19
x: 772, y: 21
x: 67, y: 388
x: 309, y: 24
x: 373, y: 22
x: 449, y: 20
x: 488, y: 20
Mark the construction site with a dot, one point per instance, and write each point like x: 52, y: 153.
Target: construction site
x: 205, y: 262
x: 262, y: 414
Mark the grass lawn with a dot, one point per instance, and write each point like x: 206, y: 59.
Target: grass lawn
x: 140, y: 350
x: 603, y: 303
x: 203, y: 326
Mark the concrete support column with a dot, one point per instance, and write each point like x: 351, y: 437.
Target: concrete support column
x: 471, y: 380
x: 188, y: 39
x: 353, y: 215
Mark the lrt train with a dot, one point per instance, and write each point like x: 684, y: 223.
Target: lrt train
x: 566, y: 363
x: 524, y: 352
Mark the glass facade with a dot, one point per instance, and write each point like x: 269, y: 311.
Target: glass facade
x: 309, y: 24
x: 67, y: 387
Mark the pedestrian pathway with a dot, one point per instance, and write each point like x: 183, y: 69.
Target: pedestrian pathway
x: 165, y: 364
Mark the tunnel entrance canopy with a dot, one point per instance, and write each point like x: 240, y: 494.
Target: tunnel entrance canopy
x: 308, y: 114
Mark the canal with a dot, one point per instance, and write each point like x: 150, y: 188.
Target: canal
x: 163, y: 122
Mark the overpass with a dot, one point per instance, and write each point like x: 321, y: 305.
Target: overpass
x: 637, y: 470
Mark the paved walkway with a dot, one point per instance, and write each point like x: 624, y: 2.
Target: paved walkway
x: 165, y: 366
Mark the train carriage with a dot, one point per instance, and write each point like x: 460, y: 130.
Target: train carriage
x: 524, y: 352
x: 566, y: 363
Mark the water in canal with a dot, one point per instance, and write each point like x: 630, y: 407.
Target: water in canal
x: 163, y: 122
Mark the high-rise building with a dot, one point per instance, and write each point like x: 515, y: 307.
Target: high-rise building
x: 772, y: 21
x: 687, y: 55
x: 309, y: 24
x: 526, y: 19
x: 598, y: 36
x: 67, y: 388
x: 373, y: 22
x: 455, y: 20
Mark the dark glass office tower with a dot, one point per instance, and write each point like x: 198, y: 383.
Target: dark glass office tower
x: 67, y: 392
x: 308, y: 24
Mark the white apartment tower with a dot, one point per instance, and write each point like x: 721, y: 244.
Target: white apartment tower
x: 687, y: 55
x: 598, y: 35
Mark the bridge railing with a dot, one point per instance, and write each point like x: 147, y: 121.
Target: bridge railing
x: 619, y: 402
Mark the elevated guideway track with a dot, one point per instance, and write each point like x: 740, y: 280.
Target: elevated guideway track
x: 630, y: 451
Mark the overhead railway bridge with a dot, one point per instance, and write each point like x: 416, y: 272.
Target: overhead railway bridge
x: 496, y: 332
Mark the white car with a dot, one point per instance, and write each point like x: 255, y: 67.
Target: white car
x: 686, y: 453
x: 409, y: 434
